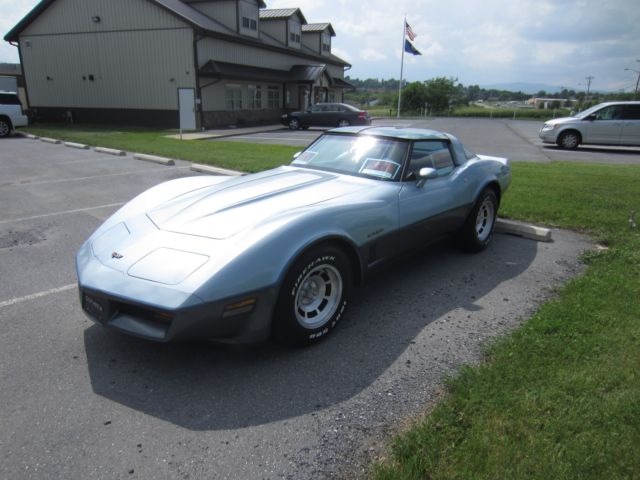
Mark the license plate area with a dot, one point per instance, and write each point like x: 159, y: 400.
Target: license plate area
x: 97, y: 308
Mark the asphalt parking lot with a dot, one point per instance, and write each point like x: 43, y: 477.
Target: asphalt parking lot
x: 80, y: 402
x: 515, y: 139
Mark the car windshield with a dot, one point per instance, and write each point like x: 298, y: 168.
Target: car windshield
x: 588, y: 111
x: 364, y: 155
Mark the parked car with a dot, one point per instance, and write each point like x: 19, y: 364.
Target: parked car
x: 11, y: 114
x: 610, y: 123
x: 235, y: 259
x: 326, y: 115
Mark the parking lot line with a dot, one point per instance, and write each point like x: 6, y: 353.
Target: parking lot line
x: 77, y: 179
x: 33, y: 296
x: 64, y: 212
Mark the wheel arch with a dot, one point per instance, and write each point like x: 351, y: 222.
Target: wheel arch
x: 569, y: 130
x: 340, y: 242
x: 8, y: 120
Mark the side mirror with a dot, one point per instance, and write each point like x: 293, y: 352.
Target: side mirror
x: 425, y: 174
x: 591, y: 117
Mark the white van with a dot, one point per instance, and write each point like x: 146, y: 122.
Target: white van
x: 611, y: 123
x: 11, y: 114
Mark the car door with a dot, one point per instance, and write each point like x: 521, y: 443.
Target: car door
x: 604, y: 126
x: 438, y: 206
x: 630, y: 125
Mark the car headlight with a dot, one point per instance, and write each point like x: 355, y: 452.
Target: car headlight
x: 547, y: 127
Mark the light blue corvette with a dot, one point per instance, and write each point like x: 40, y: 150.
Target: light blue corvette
x: 278, y: 252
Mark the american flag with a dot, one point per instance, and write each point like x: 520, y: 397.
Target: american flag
x: 408, y: 31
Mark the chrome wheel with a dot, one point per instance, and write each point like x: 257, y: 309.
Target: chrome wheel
x: 484, y: 219
x: 318, y: 297
x: 294, y: 124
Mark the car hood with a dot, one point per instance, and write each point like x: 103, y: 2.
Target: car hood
x: 562, y: 120
x: 221, y: 211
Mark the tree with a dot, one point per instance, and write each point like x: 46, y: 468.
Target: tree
x: 439, y: 92
x: 414, y: 96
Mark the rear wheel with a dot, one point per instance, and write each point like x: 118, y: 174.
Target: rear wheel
x: 5, y: 127
x: 477, y: 230
x: 569, y: 140
x: 294, y: 124
x: 313, y: 296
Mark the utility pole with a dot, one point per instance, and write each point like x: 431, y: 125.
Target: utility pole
x: 635, y: 92
x: 588, y: 79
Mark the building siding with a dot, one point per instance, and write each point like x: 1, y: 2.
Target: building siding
x: 130, y: 69
x: 276, y: 28
x: 224, y: 11
x: 72, y: 16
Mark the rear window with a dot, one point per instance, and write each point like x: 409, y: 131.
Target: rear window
x: 9, y: 99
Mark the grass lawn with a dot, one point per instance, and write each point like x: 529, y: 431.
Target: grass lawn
x: 560, y: 398
x: 236, y: 156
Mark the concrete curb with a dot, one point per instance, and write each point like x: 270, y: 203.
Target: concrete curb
x: 110, y: 151
x: 197, y: 167
x: 29, y: 135
x: 79, y: 146
x: 523, y: 230
x: 50, y: 140
x: 154, y: 159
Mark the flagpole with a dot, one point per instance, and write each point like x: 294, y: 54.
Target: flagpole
x: 404, y: 27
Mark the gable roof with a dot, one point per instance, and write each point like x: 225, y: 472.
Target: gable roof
x: 318, y: 27
x: 281, y: 14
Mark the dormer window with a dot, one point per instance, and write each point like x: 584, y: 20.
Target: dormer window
x: 295, y: 31
x: 326, y: 43
x: 249, y: 19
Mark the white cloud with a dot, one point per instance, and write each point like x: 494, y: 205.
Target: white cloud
x: 372, y: 54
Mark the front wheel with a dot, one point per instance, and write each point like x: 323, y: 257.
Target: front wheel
x: 313, y: 296
x: 294, y: 124
x: 569, y: 140
x: 477, y: 231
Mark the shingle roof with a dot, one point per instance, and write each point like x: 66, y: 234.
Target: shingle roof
x: 318, y: 27
x: 281, y: 13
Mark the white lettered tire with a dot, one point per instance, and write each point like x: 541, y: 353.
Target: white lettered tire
x: 314, y: 296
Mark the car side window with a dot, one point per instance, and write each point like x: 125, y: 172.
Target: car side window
x: 9, y: 99
x: 631, y: 112
x: 613, y: 112
x: 432, y: 154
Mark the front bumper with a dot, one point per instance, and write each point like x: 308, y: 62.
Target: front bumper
x: 212, y: 321
x: 548, y: 136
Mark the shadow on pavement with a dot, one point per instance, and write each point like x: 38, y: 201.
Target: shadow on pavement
x: 207, y: 387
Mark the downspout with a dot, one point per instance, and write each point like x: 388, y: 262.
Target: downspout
x: 196, y: 39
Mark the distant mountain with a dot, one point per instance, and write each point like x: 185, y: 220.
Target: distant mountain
x: 524, y: 87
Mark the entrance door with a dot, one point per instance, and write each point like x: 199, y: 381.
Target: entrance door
x: 187, y: 106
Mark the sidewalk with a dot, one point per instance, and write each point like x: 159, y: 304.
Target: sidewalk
x: 227, y: 132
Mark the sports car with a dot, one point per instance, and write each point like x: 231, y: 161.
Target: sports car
x: 239, y: 259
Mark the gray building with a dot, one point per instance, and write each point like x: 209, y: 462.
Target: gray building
x: 199, y: 63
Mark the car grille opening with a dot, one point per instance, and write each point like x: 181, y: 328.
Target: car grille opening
x: 144, y: 313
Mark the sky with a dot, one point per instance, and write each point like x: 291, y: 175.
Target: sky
x: 479, y: 42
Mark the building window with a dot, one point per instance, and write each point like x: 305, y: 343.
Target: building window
x: 326, y: 43
x: 249, y: 15
x: 255, y: 97
x: 273, y: 98
x: 295, y: 30
x: 233, y: 97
